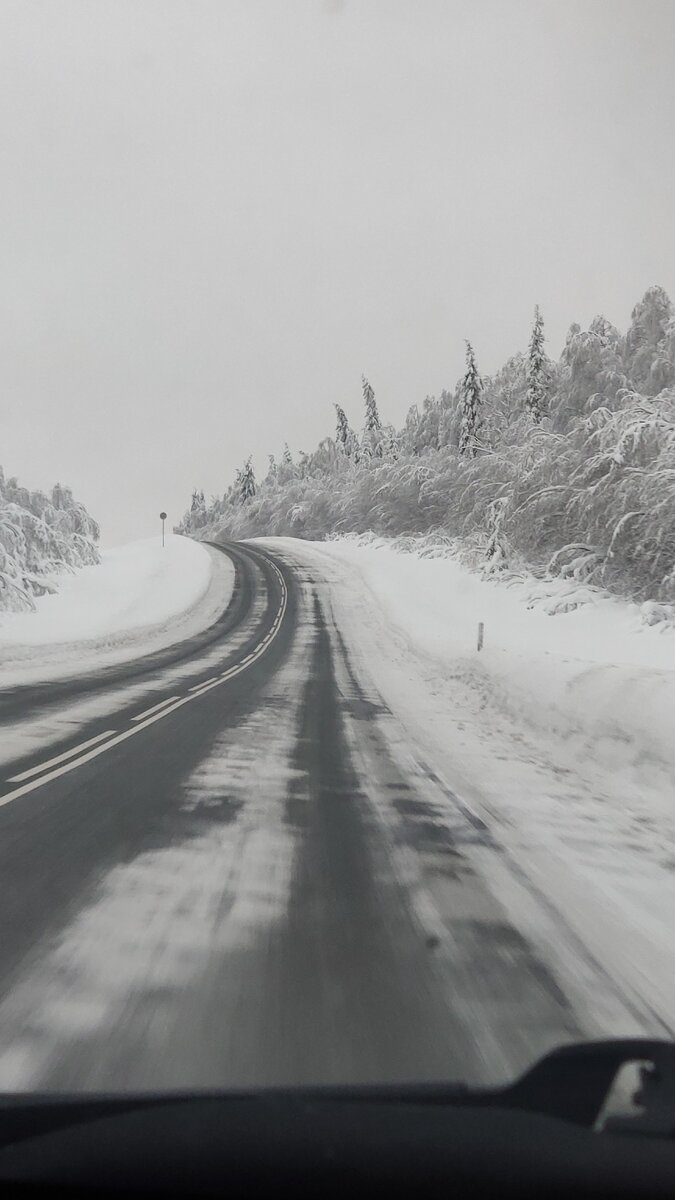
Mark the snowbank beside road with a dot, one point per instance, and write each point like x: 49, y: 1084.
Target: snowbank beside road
x: 141, y: 598
x: 596, y: 674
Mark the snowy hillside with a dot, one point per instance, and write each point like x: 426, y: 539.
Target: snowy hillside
x: 565, y: 468
x: 41, y: 537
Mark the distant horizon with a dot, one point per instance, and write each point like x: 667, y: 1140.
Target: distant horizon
x: 215, y: 216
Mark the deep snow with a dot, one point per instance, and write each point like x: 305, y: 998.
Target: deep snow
x: 596, y: 674
x: 140, y: 598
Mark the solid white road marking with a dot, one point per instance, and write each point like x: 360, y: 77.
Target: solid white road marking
x: 51, y: 762
x: 166, y: 708
x: 148, y: 711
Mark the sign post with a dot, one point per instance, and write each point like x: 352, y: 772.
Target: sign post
x: 162, y: 517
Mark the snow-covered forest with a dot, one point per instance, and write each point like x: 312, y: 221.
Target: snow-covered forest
x: 565, y: 468
x: 40, y: 537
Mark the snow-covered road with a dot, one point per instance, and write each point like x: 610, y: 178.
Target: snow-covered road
x: 320, y: 848
x: 558, y: 735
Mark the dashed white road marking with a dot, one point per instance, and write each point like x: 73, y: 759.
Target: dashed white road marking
x: 51, y: 762
x: 197, y: 686
x: 148, y: 711
x: 143, y: 719
x: 114, y: 741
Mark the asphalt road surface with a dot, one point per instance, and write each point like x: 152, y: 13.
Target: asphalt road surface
x: 247, y: 879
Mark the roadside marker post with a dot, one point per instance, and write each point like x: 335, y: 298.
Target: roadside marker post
x: 481, y: 629
x: 162, y: 517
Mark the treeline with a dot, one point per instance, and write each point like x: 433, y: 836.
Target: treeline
x: 40, y: 536
x: 566, y: 467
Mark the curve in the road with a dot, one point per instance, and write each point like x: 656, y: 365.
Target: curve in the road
x: 33, y: 775
x: 22, y: 698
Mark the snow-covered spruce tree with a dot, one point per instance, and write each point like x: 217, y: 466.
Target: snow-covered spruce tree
x: 372, y: 422
x: 345, y: 437
x: 472, y: 391
x: 342, y: 427
x: 372, y: 426
x: 247, y: 488
x: 537, y: 370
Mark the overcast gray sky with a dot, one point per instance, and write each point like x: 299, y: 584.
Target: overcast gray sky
x: 215, y: 214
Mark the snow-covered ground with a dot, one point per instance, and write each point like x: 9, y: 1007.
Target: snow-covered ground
x: 559, y: 733
x: 142, y: 597
x: 597, y: 674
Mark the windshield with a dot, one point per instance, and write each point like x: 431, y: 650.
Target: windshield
x: 337, y: 539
